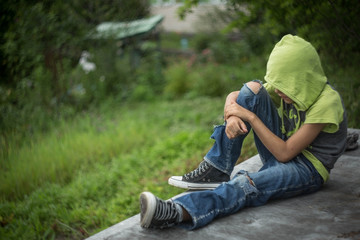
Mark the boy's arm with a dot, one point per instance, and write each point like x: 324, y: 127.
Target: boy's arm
x: 234, y: 125
x: 230, y: 99
x: 284, y: 151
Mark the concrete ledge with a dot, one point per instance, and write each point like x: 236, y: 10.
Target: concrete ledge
x: 332, y: 213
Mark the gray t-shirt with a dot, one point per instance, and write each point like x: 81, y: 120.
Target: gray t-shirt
x: 327, y: 147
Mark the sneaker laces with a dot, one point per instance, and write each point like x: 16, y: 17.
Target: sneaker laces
x: 199, y: 171
x: 166, y: 210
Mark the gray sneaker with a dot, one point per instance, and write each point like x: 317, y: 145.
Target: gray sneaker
x: 157, y: 213
x: 204, y: 177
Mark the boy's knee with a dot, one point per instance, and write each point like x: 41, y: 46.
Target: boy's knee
x: 254, y: 86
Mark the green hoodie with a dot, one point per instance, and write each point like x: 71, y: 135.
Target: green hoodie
x: 295, y: 69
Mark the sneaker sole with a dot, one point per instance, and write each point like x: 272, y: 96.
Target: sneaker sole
x: 177, y: 182
x: 148, y: 207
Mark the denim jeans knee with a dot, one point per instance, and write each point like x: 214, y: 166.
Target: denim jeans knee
x: 225, y: 152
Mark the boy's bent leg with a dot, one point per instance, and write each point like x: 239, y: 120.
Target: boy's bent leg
x: 225, y: 152
x: 261, y: 104
x: 220, y: 160
x: 217, y: 165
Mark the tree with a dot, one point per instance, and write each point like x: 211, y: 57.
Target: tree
x: 44, y: 33
x: 333, y: 26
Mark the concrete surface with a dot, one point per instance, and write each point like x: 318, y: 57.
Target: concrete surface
x: 332, y: 213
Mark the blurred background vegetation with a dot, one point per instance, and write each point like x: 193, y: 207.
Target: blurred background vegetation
x: 74, y: 141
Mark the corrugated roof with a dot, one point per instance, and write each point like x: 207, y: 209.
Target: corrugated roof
x: 121, y: 30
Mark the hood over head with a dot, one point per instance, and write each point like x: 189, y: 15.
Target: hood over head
x: 295, y: 69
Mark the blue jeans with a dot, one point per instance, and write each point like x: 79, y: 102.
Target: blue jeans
x: 274, y: 180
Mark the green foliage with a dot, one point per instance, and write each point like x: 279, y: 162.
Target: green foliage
x: 172, y: 40
x: 38, y: 38
x: 45, y: 32
x: 27, y: 104
x: 213, y: 80
x: 149, y: 82
x: 332, y: 26
x: 177, y: 80
x: 210, y: 78
x: 41, y: 42
x: 224, y: 50
x: 108, y: 157
x: 346, y: 82
x: 95, y: 12
x: 231, y: 53
x: 112, y: 132
x: 186, y: 7
x: 202, y: 41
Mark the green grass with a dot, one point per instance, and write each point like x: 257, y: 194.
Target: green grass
x: 86, y: 174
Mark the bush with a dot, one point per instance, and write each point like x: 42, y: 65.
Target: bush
x: 346, y: 81
x: 212, y: 80
x: 202, y: 41
x: 28, y: 107
x: 258, y: 40
x: 231, y: 53
x: 177, y: 80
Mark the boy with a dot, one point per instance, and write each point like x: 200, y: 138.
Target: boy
x: 300, y: 130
